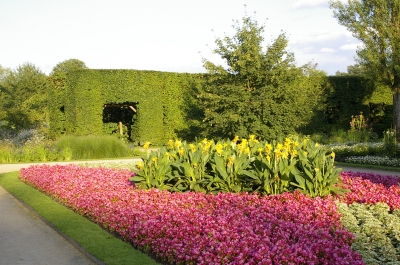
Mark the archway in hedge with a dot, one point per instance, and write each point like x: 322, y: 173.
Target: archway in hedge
x: 123, y: 114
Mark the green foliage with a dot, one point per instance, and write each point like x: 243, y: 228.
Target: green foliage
x: 325, y: 104
x: 258, y: 92
x: 91, y: 147
x: 342, y: 97
x: 61, y: 70
x: 389, y: 143
x: 376, y: 24
x: 23, y: 94
x: 29, y: 152
x: 234, y: 166
x: 318, y: 173
x: 343, y: 150
x: 64, y: 149
x: 57, y: 94
x: 94, y: 101
x: 376, y: 230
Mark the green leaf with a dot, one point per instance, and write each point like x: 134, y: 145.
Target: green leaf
x: 136, y: 179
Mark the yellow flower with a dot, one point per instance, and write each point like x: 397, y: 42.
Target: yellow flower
x: 252, y: 137
x: 139, y: 165
x: 146, y: 145
x: 316, y: 144
x: 268, y: 158
x: 154, y: 159
x: 288, y: 141
x: 181, y: 151
x: 171, y: 143
x: 285, y: 154
x: 279, y: 146
x: 230, y: 161
x: 219, y: 148
x: 195, y: 165
x: 235, y: 139
x: 332, y: 155
x: 277, y: 152
x: 268, y: 148
x: 192, y: 147
x: 178, y: 144
x: 207, y: 145
x: 293, y: 153
x: 247, y: 150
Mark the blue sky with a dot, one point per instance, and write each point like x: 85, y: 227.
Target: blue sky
x: 162, y: 35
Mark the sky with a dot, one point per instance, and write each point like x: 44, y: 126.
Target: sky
x: 163, y: 35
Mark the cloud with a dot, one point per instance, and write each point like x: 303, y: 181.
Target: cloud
x: 350, y: 46
x: 327, y: 50
x: 310, y: 3
x: 318, y: 37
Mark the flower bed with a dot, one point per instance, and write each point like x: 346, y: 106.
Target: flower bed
x: 195, y: 228
x: 371, y: 188
x: 373, y: 160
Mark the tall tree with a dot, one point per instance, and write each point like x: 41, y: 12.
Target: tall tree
x: 376, y: 23
x: 23, y: 93
x: 62, y: 68
x: 4, y: 72
x: 254, y: 92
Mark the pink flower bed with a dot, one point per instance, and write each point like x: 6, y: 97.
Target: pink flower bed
x: 194, y: 228
x: 371, y: 188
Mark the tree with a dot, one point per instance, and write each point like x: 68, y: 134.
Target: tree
x: 354, y: 70
x: 376, y: 23
x: 4, y: 72
x: 23, y: 93
x: 255, y: 93
x: 61, y: 69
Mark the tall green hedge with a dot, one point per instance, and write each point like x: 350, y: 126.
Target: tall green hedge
x: 158, y: 98
x: 167, y: 108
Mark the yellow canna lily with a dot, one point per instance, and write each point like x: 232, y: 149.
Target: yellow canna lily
x: 192, y: 147
x: 146, y: 145
x: 219, y: 148
x: 139, y: 165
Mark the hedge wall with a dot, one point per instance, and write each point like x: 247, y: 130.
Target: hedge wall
x: 157, y: 97
x: 166, y: 104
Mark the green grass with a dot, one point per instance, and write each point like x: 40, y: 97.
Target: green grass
x: 87, y: 234
x: 89, y: 147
